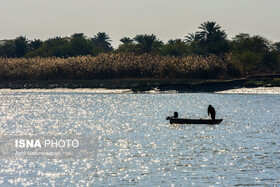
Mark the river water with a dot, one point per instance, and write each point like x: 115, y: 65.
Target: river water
x: 137, y: 146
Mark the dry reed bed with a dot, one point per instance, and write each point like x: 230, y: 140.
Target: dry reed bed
x: 110, y: 66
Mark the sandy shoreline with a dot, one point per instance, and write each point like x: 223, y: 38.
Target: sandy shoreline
x: 258, y: 90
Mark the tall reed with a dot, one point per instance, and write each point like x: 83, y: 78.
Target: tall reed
x: 112, y: 66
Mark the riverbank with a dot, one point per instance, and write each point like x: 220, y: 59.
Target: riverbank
x: 258, y: 90
x: 151, y: 85
x: 136, y: 85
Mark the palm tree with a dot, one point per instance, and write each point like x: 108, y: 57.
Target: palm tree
x: 21, y: 46
x: 209, y: 29
x: 126, y: 40
x: 148, y: 43
x: 35, y: 44
x: 175, y: 48
x: 212, y: 39
x: 277, y: 46
x: 103, y: 41
x: 139, y: 38
x: 192, y: 37
x: 127, y: 45
x: 171, y: 42
x: 78, y: 35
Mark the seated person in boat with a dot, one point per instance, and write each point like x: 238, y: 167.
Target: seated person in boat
x: 211, y: 111
x: 175, y: 116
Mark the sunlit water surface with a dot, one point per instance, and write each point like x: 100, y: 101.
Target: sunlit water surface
x: 137, y: 146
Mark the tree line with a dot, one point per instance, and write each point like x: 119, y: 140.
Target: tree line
x: 248, y: 53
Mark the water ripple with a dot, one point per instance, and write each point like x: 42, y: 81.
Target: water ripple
x: 136, y: 146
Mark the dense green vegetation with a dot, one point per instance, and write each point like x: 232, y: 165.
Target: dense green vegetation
x: 243, y: 55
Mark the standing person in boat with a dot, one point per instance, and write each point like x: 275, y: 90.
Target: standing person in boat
x: 211, y: 111
x: 175, y: 115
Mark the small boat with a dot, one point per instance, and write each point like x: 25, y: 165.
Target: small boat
x: 193, y: 121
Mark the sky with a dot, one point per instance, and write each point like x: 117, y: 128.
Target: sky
x: 167, y: 19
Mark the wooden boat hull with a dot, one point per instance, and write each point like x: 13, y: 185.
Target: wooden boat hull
x: 194, y: 121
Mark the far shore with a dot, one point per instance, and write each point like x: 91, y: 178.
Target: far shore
x: 136, y: 85
x: 258, y: 90
x: 257, y: 84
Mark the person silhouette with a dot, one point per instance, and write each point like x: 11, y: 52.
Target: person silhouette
x: 175, y: 115
x: 211, y: 111
x: 172, y: 117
